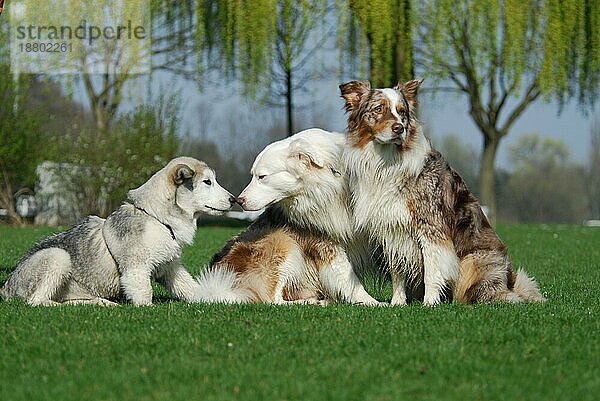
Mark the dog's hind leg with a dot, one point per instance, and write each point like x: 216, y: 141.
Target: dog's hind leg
x: 50, y: 269
x: 339, y: 281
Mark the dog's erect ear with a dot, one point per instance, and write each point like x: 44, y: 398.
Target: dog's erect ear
x: 409, y: 89
x: 302, y: 150
x: 181, y: 173
x: 353, y: 91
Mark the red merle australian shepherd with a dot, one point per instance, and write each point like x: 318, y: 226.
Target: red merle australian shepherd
x: 417, y: 208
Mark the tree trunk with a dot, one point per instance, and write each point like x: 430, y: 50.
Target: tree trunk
x: 487, y: 176
x: 288, y: 102
x: 101, y: 120
x: 403, y: 69
x: 7, y: 199
x: 401, y: 66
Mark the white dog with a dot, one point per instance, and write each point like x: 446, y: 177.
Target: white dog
x: 295, y: 250
x: 102, y: 260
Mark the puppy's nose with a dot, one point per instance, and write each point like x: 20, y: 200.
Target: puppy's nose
x: 397, y: 128
x: 241, y: 200
x: 232, y: 199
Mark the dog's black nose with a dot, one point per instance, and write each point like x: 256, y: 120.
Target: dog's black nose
x: 397, y: 128
x: 232, y: 199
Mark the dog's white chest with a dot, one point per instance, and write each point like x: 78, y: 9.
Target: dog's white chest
x: 379, y: 206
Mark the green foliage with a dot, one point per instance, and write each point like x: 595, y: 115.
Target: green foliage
x: 19, y: 128
x: 19, y: 132
x: 174, y: 351
x: 383, y: 30
x: 239, y: 34
x: 550, y: 42
x: 103, y: 168
x: 242, y: 37
x: 506, y: 55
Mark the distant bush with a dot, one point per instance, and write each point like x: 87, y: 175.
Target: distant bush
x: 105, y: 166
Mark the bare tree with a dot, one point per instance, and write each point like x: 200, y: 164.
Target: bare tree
x: 296, y: 42
x: 173, y: 48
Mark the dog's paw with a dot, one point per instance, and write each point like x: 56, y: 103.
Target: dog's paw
x: 398, y: 301
x: 42, y: 302
x: 106, y: 302
x: 431, y: 302
x: 370, y: 302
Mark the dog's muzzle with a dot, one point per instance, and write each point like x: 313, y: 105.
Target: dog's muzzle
x: 398, y: 128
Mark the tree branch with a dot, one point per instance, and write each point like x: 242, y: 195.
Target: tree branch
x: 533, y: 91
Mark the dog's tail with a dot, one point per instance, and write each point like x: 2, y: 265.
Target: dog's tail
x: 526, y: 288
x: 484, y: 281
x: 218, y: 284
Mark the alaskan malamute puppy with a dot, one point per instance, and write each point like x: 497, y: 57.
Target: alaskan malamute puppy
x: 102, y: 260
x: 412, y: 203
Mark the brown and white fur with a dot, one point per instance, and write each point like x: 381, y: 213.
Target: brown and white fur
x: 410, y: 201
x: 295, y: 250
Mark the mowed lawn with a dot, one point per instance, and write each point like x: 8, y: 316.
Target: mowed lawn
x: 176, y: 351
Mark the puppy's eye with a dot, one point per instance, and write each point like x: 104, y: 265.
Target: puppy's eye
x: 378, y: 109
x: 260, y: 177
x: 207, y: 182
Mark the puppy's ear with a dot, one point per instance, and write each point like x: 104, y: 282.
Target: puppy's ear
x: 409, y: 89
x: 353, y: 91
x: 302, y: 150
x: 181, y: 173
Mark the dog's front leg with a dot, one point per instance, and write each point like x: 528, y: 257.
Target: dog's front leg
x: 441, y: 268
x: 179, y: 281
x: 398, y: 287
x: 135, y: 281
x: 340, y: 281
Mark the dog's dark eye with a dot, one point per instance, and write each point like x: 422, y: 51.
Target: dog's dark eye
x: 207, y: 182
x: 260, y: 177
x: 378, y: 109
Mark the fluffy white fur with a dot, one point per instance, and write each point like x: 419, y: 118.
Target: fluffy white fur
x: 219, y: 285
x: 304, y: 175
x: 374, y: 174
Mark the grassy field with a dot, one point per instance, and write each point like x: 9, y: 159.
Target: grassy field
x: 175, y: 351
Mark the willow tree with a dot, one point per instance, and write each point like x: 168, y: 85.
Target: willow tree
x: 505, y: 55
x: 237, y: 39
x: 133, y: 40
x: 268, y: 45
x: 378, y: 32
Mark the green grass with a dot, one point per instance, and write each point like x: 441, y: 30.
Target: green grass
x: 175, y: 351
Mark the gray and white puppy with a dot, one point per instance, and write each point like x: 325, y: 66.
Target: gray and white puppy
x: 102, y: 260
